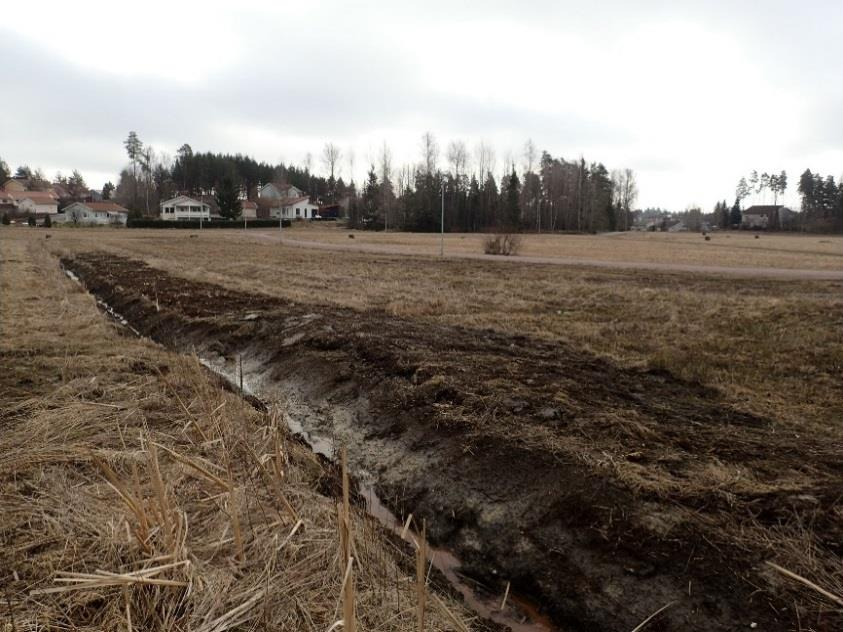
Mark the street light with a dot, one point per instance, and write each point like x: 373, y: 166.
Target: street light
x: 442, y: 223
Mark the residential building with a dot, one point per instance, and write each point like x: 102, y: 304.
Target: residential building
x: 38, y: 203
x: 183, y: 207
x: 14, y: 185
x: 249, y: 209
x: 288, y: 208
x: 8, y: 206
x: 276, y: 191
x: 93, y: 213
x: 769, y: 217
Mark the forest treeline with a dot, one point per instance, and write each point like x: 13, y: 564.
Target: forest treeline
x: 545, y: 193
x: 542, y: 193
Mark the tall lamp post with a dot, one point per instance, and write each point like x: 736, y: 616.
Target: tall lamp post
x: 442, y: 223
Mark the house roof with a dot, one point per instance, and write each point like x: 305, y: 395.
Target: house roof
x: 109, y: 206
x: 292, y: 201
x: 248, y: 204
x: 285, y: 186
x: 182, y: 200
x: 39, y: 197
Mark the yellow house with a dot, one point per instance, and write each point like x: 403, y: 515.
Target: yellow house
x: 13, y: 186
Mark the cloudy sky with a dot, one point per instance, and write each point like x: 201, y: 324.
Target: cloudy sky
x: 691, y: 95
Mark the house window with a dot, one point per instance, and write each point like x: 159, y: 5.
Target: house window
x: 298, y: 212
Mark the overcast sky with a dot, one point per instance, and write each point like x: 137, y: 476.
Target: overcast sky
x: 691, y: 95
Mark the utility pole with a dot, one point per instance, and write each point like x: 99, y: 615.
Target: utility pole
x: 442, y: 223
x: 538, y: 206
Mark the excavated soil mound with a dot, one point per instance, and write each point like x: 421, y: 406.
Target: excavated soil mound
x: 604, y: 492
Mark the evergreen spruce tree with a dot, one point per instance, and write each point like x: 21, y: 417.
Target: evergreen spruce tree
x: 371, y: 195
x: 227, y: 196
x: 512, y: 210
x: 735, y: 218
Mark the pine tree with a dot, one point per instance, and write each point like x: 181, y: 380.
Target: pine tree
x: 371, y: 195
x: 736, y: 217
x: 512, y: 209
x: 134, y: 149
x: 227, y: 196
x: 76, y: 186
x: 742, y: 191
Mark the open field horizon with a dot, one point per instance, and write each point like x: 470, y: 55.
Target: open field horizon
x: 725, y: 248
x: 733, y: 252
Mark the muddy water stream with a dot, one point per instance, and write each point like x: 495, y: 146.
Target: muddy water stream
x: 520, y: 614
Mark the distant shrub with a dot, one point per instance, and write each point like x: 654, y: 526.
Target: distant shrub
x: 48, y: 223
x: 6, y: 221
x: 30, y: 220
x: 502, y: 244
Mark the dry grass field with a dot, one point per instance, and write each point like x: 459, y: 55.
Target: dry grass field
x: 136, y: 494
x: 732, y: 249
x: 704, y: 408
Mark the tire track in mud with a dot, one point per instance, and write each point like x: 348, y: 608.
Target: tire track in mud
x: 537, y: 462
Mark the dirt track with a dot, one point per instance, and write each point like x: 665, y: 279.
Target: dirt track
x: 578, y: 480
x: 747, y: 272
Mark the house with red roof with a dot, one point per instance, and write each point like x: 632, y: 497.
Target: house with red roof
x: 38, y: 203
x: 248, y: 209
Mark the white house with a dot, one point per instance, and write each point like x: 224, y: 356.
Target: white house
x: 767, y: 217
x: 276, y: 191
x: 35, y: 202
x: 93, y: 213
x: 294, y: 208
x: 184, y: 208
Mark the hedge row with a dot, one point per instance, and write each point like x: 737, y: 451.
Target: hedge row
x: 194, y: 224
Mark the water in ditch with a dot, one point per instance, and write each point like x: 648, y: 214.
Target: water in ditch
x: 519, y: 613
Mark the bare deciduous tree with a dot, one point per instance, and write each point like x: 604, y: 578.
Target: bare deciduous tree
x: 331, y: 156
x: 485, y: 160
x: 624, y: 194
x: 457, y: 157
x: 529, y: 156
x: 430, y: 152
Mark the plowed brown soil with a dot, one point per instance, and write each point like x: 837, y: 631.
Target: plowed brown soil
x: 603, y: 491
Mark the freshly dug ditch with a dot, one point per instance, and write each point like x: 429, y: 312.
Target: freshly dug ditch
x: 603, y: 492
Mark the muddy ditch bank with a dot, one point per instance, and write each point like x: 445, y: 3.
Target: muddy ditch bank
x: 539, y: 464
